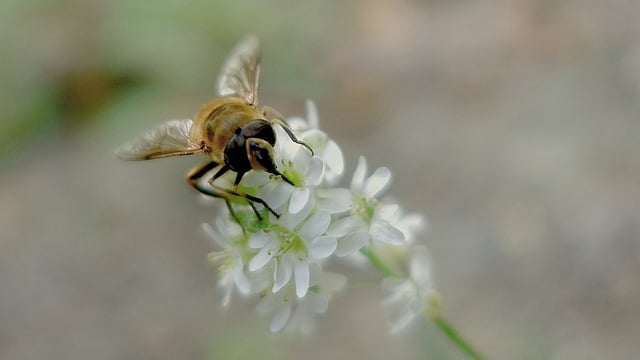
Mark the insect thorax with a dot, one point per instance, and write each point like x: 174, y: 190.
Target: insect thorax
x: 219, y: 119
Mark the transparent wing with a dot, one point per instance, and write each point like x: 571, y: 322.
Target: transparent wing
x: 241, y: 71
x: 169, y: 139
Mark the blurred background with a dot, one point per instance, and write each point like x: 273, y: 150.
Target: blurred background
x: 513, y: 125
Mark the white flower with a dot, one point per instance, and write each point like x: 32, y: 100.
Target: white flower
x: 297, y: 164
x: 410, y: 297
x: 305, y: 171
x: 230, y: 258
x: 296, y: 313
x: 293, y: 242
x: 311, y: 174
x: 410, y: 224
x: 370, y: 219
x: 333, y: 200
x: 325, y: 148
x: 300, y: 125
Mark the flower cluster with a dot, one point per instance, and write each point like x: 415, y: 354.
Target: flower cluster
x: 283, y: 260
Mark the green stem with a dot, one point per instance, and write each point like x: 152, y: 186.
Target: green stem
x: 377, y: 262
x: 432, y: 311
x: 456, y: 338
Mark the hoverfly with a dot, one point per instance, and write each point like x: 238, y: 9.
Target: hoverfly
x: 229, y: 130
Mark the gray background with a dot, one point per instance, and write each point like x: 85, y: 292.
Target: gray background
x: 513, y: 125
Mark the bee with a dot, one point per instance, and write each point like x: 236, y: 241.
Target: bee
x: 229, y: 130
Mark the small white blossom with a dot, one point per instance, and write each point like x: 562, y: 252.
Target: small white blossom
x: 295, y: 313
x: 306, y: 172
x: 410, y: 224
x: 410, y: 297
x: 370, y: 219
x: 230, y: 258
x: 293, y: 243
x: 314, y: 175
x: 325, y: 148
x: 378, y: 217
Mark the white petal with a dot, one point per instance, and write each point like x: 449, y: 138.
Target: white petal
x: 285, y: 148
x: 332, y: 155
x: 419, y: 267
x: 377, y: 182
x: 332, y: 282
x: 284, y: 272
x: 315, y: 226
x: 345, y: 226
x: 255, y: 179
x: 398, y: 291
x: 261, y: 259
x: 411, y: 225
x: 240, y: 279
x: 352, y: 243
x: 275, y: 194
x: 290, y: 220
x: 358, y: 176
x: 334, y: 200
x: 301, y: 159
x: 317, y: 303
x: 385, y: 232
x: 297, y: 124
x: 302, y: 320
x: 301, y: 275
x: 386, y: 212
x: 401, y: 321
x: 280, y: 316
x: 259, y: 239
x: 214, y: 235
x: 415, y: 221
x: 299, y: 199
x: 226, y: 228
x: 226, y: 299
x: 313, y: 174
x: 312, y: 114
x: 321, y: 247
x: 314, y: 138
x: 418, y: 303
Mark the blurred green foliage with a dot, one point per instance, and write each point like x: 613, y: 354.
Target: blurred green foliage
x: 65, y: 62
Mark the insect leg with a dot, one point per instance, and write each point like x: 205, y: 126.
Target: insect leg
x: 249, y: 198
x: 271, y: 113
x: 289, y: 132
x: 221, y: 172
x: 217, y: 191
x: 197, y: 173
x: 194, y: 176
x: 277, y: 118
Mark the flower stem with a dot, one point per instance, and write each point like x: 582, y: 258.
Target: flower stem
x: 455, y: 337
x: 431, y: 312
x: 377, y: 262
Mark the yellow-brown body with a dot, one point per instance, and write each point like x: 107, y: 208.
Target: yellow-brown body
x: 216, y: 122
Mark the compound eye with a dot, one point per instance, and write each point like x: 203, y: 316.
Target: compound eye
x: 261, y: 155
x: 235, y: 155
x: 261, y: 129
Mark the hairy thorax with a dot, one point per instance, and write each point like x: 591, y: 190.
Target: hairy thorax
x: 217, y: 121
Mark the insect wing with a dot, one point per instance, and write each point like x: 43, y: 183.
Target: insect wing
x: 241, y: 71
x: 169, y: 139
